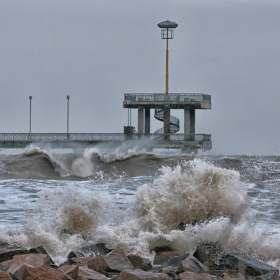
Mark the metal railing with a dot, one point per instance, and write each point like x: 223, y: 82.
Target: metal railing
x: 160, y: 97
x: 97, y: 137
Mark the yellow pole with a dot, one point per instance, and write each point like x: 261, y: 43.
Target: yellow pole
x: 166, y: 73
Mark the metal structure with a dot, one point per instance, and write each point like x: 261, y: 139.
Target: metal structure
x: 30, y: 98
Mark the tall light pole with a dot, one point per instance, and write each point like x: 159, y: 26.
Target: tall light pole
x: 68, y: 97
x: 167, y: 33
x: 30, y: 98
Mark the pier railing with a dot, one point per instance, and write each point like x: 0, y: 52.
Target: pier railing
x: 164, y: 97
x: 98, y: 137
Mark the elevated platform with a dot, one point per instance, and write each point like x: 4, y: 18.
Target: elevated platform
x: 64, y: 140
x: 172, y: 100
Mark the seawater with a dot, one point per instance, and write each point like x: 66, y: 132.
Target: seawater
x: 137, y: 201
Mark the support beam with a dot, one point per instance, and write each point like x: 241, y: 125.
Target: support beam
x: 189, y: 123
x: 140, y: 119
x: 147, y: 121
x: 192, y: 129
x: 166, y: 124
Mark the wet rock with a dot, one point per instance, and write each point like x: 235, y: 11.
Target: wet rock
x: 5, y: 276
x: 31, y: 259
x: 162, y: 256
x: 74, y: 254
x: 139, y: 274
x: 114, y: 261
x: 188, y: 275
x: 138, y: 262
x: 209, y: 254
x: 95, y: 250
x: 70, y: 270
x: 248, y: 266
x: 162, y: 249
x: 192, y: 264
x: 26, y: 271
x: 81, y: 260
x: 7, y: 251
x: 86, y: 273
x: 38, y: 250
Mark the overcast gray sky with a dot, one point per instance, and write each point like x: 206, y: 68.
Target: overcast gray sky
x: 97, y: 50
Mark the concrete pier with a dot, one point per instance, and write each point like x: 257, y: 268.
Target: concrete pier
x: 163, y: 103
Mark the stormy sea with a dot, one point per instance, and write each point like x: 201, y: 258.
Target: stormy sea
x: 138, y: 200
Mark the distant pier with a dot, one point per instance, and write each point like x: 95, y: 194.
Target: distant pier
x: 64, y: 140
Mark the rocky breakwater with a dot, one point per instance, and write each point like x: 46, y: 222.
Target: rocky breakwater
x: 35, y: 264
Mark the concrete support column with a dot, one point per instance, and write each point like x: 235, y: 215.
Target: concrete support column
x: 192, y: 129
x: 140, y: 120
x: 166, y: 124
x: 189, y: 123
x: 147, y: 121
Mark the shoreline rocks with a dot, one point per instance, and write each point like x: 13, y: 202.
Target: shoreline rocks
x: 35, y: 264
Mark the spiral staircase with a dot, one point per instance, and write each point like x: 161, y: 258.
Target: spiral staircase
x: 174, y: 122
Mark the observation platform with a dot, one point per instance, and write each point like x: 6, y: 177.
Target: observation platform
x: 172, y: 100
x: 144, y: 141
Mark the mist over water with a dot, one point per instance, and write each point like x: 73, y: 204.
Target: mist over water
x: 138, y: 200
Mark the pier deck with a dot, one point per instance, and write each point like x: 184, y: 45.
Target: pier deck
x: 64, y: 140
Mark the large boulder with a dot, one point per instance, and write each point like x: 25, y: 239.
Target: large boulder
x: 70, y: 270
x: 114, y: 261
x: 86, y: 273
x: 7, y: 251
x: 209, y: 254
x: 139, y: 274
x: 249, y: 267
x: 26, y: 271
x: 161, y: 257
x: 185, y: 262
x: 31, y: 259
x: 138, y: 262
x: 188, y: 275
x: 5, y: 276
x: 190, y: 263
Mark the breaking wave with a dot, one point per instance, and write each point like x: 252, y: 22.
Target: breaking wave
x: 184, y: 206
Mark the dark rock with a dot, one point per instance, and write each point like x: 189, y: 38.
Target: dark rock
x: 162, y: 249
x: 38, y: 250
